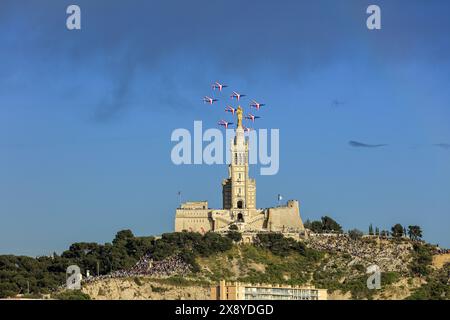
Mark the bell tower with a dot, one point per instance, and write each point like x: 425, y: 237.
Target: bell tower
x: 239, y: 191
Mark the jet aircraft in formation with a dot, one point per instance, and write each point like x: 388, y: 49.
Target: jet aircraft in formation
x: 224, y: 123
x: 218, y: 85
x: 234, y: 95
x: 209, y: 100
x: 251, y: 117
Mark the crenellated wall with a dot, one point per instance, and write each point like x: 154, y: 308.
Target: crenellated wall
x: 192, y: 217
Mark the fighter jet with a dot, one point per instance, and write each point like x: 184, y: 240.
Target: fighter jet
x: 256, y: 104
x: 251, y: 117
x: 224, y: 123
x: 230, y: 109
x: 209, y: 100
x: 236, y: 95
x: 217, y: 85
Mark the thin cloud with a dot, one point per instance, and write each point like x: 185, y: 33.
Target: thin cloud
x: 337, y: 103
x: 149, y: 34
x: 357, y: 144
x: 442, y: 145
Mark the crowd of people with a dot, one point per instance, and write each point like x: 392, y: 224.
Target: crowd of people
x: 441, y: 251
x: 387, y: 255
x: 146, y: 266
x: 167, y: 267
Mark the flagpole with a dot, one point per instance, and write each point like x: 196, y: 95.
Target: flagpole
x: 280, y: 197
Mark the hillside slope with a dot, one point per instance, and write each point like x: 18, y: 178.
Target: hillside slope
x: 337, y: 264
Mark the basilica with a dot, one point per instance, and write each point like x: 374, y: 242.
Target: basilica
x: 239, y: 210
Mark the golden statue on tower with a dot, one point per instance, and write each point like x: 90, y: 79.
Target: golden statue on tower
x: 239, y: 117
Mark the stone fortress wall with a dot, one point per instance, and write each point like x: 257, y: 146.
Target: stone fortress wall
x: 285, y: 218
x: 197, y: 217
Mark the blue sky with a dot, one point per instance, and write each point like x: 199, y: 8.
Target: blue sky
x: 86, y: 116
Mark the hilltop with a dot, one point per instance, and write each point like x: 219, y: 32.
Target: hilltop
x: 183, y: 266
x: 337, y: 263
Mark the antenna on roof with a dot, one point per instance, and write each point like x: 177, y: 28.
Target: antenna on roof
x: 179, y: 198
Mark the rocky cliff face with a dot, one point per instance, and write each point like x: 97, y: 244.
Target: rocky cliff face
x: 389, y: 255
x: 143, y: 289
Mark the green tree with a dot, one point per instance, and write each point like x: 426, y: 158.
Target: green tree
x: 71, y: 295
x: 422, y: 258
x: 234, y: 235
x: 355, y: 234
x: 122, y: 236
x: 414, y: 232
x: 307, y: 224
x: 330, y: 225
x: 139, y: 246
x: 212, y: 243
x: 280, y: 245
x: 371, y: 230
x: 316, y: 227
x: 397, y: 230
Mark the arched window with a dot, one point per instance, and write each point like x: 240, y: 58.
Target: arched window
x: 240, y: 204
x: 240, y: 217
x: 235, y: 158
